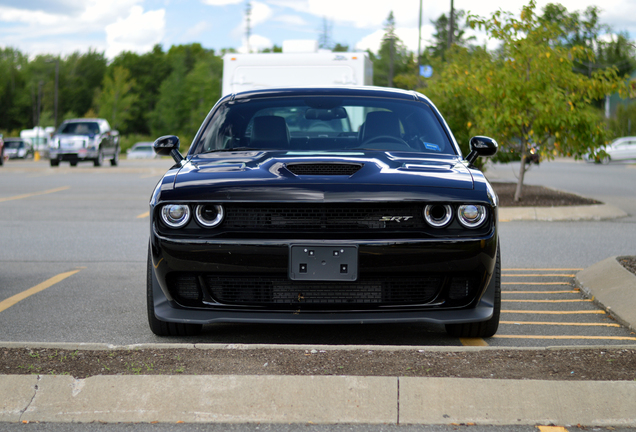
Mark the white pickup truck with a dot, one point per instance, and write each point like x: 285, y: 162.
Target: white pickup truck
x: 84, y: 139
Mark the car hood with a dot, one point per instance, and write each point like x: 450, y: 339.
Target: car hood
x: 267, y: 175
x: 73, y: 140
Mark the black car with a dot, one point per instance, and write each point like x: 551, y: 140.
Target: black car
x: 324, y: 205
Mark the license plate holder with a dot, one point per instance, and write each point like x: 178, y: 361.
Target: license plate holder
x: 323, y: 263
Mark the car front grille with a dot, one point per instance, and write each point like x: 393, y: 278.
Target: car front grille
x: 327, y: 216
x: 280, y: 291
x: 324, y: 168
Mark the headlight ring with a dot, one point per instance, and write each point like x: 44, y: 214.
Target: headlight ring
x: 175, y: 215
x: 438, y: 215
x: 209, y: 215
x: 471, y: 215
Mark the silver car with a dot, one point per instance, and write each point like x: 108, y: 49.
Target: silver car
x: 142, y: 150
x: 618, y: 150
x: 17, y: 148
x: 84, y: 139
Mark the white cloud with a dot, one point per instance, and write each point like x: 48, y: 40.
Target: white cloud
x: 292, y: 20
x: 138, y: 32
x: 220, y: 2
x: 257, y: 43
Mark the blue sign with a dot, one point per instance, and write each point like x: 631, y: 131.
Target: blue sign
x: 426, y: 71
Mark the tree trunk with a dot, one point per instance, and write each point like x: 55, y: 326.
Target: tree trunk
x: 522, y: 172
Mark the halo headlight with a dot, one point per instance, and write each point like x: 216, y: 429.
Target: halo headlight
x: 175, y: 215
x: 209, y: 215
x: 471, y: 215
x: 438, y: 215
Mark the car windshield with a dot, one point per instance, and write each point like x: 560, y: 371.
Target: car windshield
x: 324, y: 124
x: 14, y: 144
x: 79, y: 128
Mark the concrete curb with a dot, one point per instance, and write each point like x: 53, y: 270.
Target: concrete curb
x: 612, y: 287
x: 70, y: 346
x: 316, y: 399
x: 566, y: 213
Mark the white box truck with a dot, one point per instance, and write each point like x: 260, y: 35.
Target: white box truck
x: 242, y: 72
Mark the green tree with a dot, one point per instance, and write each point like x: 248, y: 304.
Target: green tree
x: 115, y: 99
x: 530, y: 95
x: 439, y: 44
x: 202, y: 90
x: 392, y: 59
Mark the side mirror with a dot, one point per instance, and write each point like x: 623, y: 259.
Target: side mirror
x: 168, y: 145
x: 481, y: 146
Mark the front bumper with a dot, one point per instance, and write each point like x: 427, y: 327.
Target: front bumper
x: 73, y: 154
x: 381, y: 264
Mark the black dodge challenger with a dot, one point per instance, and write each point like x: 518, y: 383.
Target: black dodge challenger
x: 324, y: 205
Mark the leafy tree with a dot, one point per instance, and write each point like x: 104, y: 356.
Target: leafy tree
x: 340, y: 48
x: 115, y: 99
x: 149, y: 71
x: 530, y: 95
x: 15, y: 109
x: 80, y: 76
x: 170, y: 113
x: 202, y: 89
x: 392, y: 59
x: 439, y: 44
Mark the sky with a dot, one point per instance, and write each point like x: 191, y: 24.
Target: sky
x: 61, y: 27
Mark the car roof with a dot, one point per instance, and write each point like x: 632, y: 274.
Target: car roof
x: 362, y: 91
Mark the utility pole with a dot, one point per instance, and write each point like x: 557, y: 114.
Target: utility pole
x: 248, y: 28
x: 419, y: 41
x: 451, y: 25
x: 57, y: 83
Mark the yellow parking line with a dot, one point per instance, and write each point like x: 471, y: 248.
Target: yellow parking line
x: 543, y: 292
x: 560, y: 323
x: 6, y: 304
x: 535, y: 283
x: 473, y: 342
x: 542, y: 269
x: 562, y: 337
x: 552, y: 429
x: 547, y: 301
x: 17, y: 197
x: 537, y: 275
x: 144, y: 215
x: 539, y: 312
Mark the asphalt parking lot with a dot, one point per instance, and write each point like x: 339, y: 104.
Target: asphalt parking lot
x: 83, y: 233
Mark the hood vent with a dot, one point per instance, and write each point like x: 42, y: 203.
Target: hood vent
x: 324, y: 168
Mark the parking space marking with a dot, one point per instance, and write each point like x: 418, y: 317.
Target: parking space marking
x: 565, y: 337
x: 576, y: 291
x: 473, y: 342
x: 144, y: 215
x: 552, y: 429
x: 541, y: 269
x: 29, y: 195
x: 575, y: 324
x: 536, y: 283
x: 538, y: 312
x: 547, y: 301
x: 6, y: 304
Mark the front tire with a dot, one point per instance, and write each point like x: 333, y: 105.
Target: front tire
x: 483, y: 329
x: 163, y: 328
x: 55, y: 162
x: 100, y: 159
x: 115, y: 160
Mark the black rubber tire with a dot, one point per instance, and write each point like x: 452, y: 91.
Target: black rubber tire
x: 2, y: 157
x: 483, y: 329
x: 99, y: 161
x: 55, y: 162
x: 73, y: 163
x: 115, y: 160
x: 163, y: 328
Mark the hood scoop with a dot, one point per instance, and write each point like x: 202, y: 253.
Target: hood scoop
x: 324, y: 169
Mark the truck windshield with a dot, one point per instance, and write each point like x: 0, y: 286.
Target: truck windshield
x: 79, y: 128
x: 324, y: 124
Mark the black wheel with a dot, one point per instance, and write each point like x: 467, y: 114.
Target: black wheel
x: 163, y: 328
x: 100, y: 159
x: 2, y: 157
x: 73, y: 163
x: 55, y: 162
x: 482, y: 329
x: 115, y: 160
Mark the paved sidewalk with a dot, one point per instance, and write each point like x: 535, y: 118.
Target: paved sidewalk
x: 318, y: 399
x: 566, y: 213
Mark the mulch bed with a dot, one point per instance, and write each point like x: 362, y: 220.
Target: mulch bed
x: 538, y: 196
x: 567, y: 364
